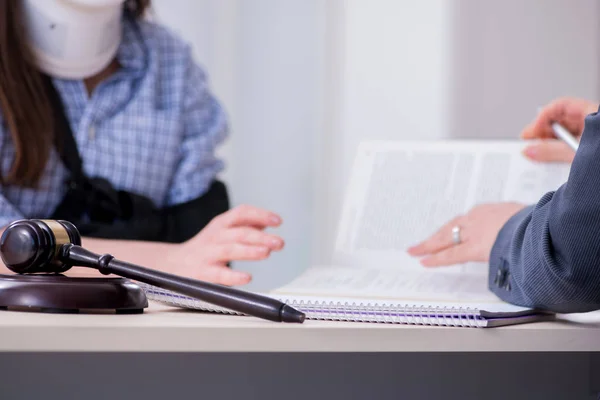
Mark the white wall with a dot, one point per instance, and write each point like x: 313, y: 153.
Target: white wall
x: 265, y: 59
x: 305, y: 80
x: 510, y: 57
x: 278, y: 125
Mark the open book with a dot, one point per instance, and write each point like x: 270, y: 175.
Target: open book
x: 399, y: 193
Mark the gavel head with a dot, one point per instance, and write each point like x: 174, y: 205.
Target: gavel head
x: 30, y: 246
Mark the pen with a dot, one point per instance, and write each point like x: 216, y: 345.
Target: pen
x: 565, y: 136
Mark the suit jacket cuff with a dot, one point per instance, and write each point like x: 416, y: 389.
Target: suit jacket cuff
x: 499, y: 275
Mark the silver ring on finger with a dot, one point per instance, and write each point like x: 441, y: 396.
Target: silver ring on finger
x: 456, y: 239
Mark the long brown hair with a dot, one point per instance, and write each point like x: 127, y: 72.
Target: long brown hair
x: 24, y: 103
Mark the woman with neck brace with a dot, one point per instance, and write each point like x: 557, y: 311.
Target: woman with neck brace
x: 143, y: 119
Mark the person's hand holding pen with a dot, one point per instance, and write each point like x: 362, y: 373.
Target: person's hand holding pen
x: 567, y: 113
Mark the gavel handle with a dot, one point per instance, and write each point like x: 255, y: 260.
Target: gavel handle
x: 223, y: 296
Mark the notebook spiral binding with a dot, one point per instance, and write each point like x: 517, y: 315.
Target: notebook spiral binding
x: 338, y: 311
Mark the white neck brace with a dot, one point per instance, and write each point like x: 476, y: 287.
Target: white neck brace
x: 73, y: 39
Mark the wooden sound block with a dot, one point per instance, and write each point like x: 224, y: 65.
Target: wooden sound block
x: 65, y: 294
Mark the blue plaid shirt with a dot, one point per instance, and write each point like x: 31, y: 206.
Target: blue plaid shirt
x: 151, y: 128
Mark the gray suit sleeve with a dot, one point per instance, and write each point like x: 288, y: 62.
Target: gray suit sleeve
x: 548, y: 255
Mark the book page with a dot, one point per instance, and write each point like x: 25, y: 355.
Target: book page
x: 376, y: 286
x: 402, y: 192
x: 391, y: 284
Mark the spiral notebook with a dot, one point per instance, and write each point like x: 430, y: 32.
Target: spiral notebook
x: 398, y: 193
x: 322, y: 294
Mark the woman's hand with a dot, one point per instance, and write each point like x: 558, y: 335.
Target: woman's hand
x: 570, y: 113
x: 237, y: 234
x: 478, y: 231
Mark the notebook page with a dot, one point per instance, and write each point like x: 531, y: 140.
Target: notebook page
x: 369, y: 310
x: 423, y: 288
x: 402, y: 192
x: 391, y: 284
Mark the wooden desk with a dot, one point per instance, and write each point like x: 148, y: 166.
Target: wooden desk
x: 168, y: 353
x: 167, y: 329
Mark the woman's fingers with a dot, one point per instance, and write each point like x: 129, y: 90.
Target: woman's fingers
x: 452, y: 255
x: 438, y: 241
x: 237, y: 252
x: 569, y: 112
x: 549, y: 151
x: 221, y: 275
x: 236, y: 235
x: 246, y: 216
x: 541, y: 126
x: 479, y: 229
x: 252, y: 236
